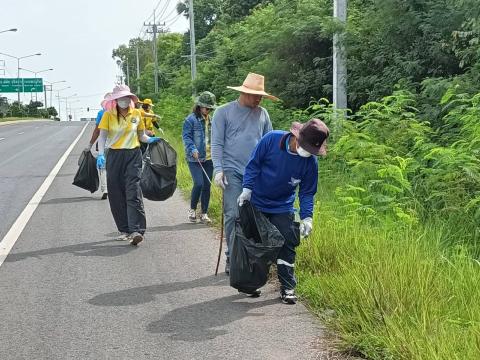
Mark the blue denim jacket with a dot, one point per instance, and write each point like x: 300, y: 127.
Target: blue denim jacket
x: 194, y: 137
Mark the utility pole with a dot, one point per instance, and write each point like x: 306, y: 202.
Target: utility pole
x: 138, y: 73
x: 128, y: 73
x: 339, y: 58
x: 193, y: 57
x: 59, y: 106
x: 45, y: 95
x: 154, y: 29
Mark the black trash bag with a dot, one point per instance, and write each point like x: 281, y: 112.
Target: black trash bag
x: 159, y: 175
x: 255, y: 248
x: 87, y: 175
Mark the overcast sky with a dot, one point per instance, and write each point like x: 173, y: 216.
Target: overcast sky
x: 76, y: 39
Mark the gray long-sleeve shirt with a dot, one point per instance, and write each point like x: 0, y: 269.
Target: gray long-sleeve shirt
x: 236, y: 130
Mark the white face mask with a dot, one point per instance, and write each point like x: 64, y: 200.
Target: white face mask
x: 123, y: 103
x: 303, y: 153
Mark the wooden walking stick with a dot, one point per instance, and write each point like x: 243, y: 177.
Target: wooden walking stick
x: 221, y: 238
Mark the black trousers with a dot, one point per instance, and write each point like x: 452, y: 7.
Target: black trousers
x: 124, y: 168
x: 286, y: 257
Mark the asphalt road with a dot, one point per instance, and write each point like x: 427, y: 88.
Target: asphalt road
x: 69, y: 291
x: 28, y: 152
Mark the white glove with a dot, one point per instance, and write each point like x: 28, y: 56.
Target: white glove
x: 221, y: 180
x: 306, y: 227
x: 244, y: 196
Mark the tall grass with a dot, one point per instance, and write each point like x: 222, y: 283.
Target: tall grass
x: 391, y: 291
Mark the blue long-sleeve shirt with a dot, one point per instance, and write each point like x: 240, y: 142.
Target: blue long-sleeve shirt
x: 99, y: 116
x: 273, y: 175
x: 236, y: 130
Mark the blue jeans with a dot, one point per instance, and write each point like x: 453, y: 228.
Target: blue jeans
x: 230, y: 207
x: 286, y: 257
x: 201, y: 184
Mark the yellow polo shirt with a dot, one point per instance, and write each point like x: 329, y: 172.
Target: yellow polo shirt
x: 147, y: 120
x: 122, y: 132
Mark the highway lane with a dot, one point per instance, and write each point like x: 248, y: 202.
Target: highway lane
x: 28, y: 152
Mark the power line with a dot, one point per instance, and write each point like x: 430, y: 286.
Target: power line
x: 173, y: 21
x: 156, y: 6
x: 164, y: 9
x: 174, y: 10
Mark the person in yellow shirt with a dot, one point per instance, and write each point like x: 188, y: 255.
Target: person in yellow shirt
x: 122, y: 126
x: 150, y: 120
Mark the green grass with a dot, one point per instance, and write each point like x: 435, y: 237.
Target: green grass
x: 388, y: 290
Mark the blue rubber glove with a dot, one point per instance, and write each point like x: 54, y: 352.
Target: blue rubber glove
x: 153, y: 139
x: 101, y: 161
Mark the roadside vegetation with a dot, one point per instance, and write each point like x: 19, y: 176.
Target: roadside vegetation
x: 18, y: 111
x: 393, y: 263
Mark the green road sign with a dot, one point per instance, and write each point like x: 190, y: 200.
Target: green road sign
x: 13, y: 85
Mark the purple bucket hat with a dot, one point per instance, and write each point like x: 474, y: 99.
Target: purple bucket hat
x: 312, y: 136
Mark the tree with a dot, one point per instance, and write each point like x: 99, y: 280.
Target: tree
x: 51, y: 111
x: 206, y: 15
x: 128, y: 55
x: 3, y: 106
x: 17, y: 110
x: 236, y: 10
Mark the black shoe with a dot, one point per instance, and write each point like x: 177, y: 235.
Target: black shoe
x: 227, y: 267
x: 288, y: 296
x: 104, y: 196
x: 253, y: 294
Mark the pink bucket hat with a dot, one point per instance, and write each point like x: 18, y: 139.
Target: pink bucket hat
x: 120, y: 91
x: 105, y: 99
x: 312, y: 136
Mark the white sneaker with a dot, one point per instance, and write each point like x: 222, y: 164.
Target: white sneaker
x: 122, y: 237
x: 288, y: 296
x: 192, y: 216
x: 135, y: 238
x: 204, y: 219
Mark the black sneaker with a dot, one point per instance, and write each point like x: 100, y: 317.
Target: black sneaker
x: 288, y: 296
x: 253, y: 294
x: 105, y: 196
x: 227, y: 266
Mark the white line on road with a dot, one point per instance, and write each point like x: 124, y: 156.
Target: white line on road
x: 14, y: 233
x: 2, y: 139
x: 20, y: 133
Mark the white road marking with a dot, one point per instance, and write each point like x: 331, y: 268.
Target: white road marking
x: 2, y: 139
x: 20, y: 133
x: 14, y: 233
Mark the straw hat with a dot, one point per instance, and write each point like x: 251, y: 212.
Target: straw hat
x: 254, y: 84
x: 312, y: 136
